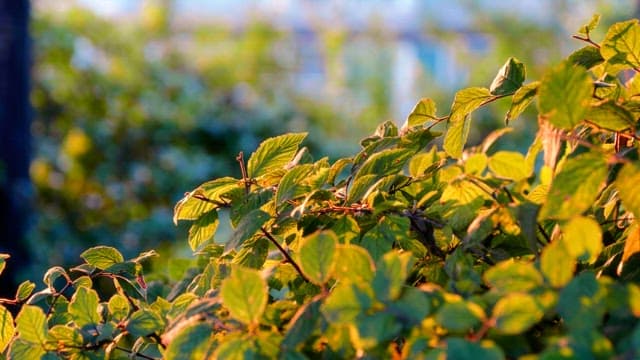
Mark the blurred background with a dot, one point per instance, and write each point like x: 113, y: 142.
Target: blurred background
x: 134, y: 102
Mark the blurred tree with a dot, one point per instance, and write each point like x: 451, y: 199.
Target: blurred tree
x: 14, y: 137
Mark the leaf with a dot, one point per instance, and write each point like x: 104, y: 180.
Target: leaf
x: 509, y: 165
x: 509, y: 79
x: 145, y: 322
x: 203, y: 229
x: 244, y: 293
x: 627, y: 184
x: 102, y: 257
x: 248, y: 226
x: 516, y: 313
x: 456, y: 137
x: 623, y: 42
x: 582, y: 237
x: 631, y: 245
x: 22, y: 349
x: 6, y: 328
x: 392, y: 272
x: 575, y: 187
x: 205, y: 198
x: 462, y: 349
x: 564, y: 95
x: 66, y: 335
x: 193, y: 342
x: 513, y: 276
x: 353, y: 263
x: 303, y: 324
x: 24, y: 290
x: 2, y: 262
x: 374, y: 329
x: 345, y: 303
x: 465, y: 101
x: 459, y: 316
x: 424, y: 111
x: 84, y: 307
x: 588, y: 57
x: 610, y: 116
x: 274, y: 153
x: 119, y: 307
x: 587, y: 28
x: 521, y: 100
x: 582, y: 303
x: 291, y: 185
x: 316, y: 256
x: 557, y: 264
x: 31, y: 324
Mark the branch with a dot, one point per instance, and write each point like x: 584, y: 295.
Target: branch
x: 284, y: 253
x: 243, y: 170
x: 587, y: 40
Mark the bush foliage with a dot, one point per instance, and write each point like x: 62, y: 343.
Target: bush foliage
x: 405, y: 250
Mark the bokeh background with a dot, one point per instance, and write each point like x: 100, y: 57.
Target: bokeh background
x: 135, y: 102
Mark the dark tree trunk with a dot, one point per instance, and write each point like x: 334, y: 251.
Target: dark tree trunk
x: 15, y: 138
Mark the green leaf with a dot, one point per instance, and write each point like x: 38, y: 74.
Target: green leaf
x: 412, y: 306
x: 521, y: 100
x: 460, y: 316
x: 316, y: 256
x: 24, y: 290
x: 144, y: 322
x: 424, y: 111
x: 575, y: 187
x: 582, y: 302
x: 84, y: 307
x: 119, y: 307
x: 515, y: 313
x: 610, y: 116
x: 385, y: 162
x: 509, y: 165
x: 244, y: 293
x: 465, y: 101
x: 456, y: 137
x: 205, y: 198
x: 393, y: 270
x: 587, y: 28
x: 2, y: 262
x: 623, y: 42
x: 557, y: 264
x: 345, y: 303
x: 193, y: 342
x: 22, y: 349
x: 292, y: 183
x: 65, y: 335
x: 509, y: 79
x: 588, y: 56
x: 564, y: 95
x: 375, y: 329
x: 203, y: 229
x: 102, y: 257
x: 627, y: 184
x: 303, y: 324
x: 31, y: 324
x: 248, y: 226
x: 353, y: 263
x: 582, y: 238
x: 236, y: 349
x: 6, y: 328
x: 466, y: 350
x: 513, y: 276
x: 273, y: 154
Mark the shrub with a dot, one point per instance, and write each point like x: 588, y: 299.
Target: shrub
x: 400, y: 251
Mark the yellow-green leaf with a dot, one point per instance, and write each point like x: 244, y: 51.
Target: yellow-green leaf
x: 84, y: 307
x: 623, y: 42
x: 627, y: 184
x: 316, y: 256
x: 274, y: 153
x: 509, y: 79
x: 564, y: 95
x: 515, y: 313
x: 31, y: 324
x: 521, y: 100
x: 6, y: 328
x: 557, y: 264
x: 509, y: 165
x: 244, y: 294
x: 102, y: 257
x: 424, y: 111
x: 203, y: 229
x: 582, y: 237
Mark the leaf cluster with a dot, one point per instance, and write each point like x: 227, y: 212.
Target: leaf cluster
x: 403, y: 250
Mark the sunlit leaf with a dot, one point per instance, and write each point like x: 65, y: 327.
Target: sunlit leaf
x: 588, y: 57
x: 610, y: 116
x: 31, y: 324
x: 7, y: 328
x: 557, y: 264
x: 509, y: 165
x: 191, y: 343
x: 513, y: 276
x: 464, y: 103
x: 582, y: 237
x: 274, y: 153
x: 575, y: 187
x: 84, y: 307
x: 587, y: 28
x: 627, y: 184
x: 631, y: 245
x: 515, y: 313
x: 623, y: 42
x: 248, y: 226
x: 24, y: 290
x: 521, y: 100
x: 102, y: 257
x: 317, y: 256
x: 353, y: 263
x: 244, y: 293
x: 144, y: 322
x: 203, y: 229
x: 509, y: 79
x: 424, y: 111
x: 564, y: 95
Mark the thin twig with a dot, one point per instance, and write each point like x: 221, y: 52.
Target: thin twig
x: 544, y: 233
x: 284, y: 253
x: 587, y: 40
x: 243, y: 170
